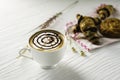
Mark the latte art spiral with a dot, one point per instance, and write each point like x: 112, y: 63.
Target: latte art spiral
x: 47, y: 40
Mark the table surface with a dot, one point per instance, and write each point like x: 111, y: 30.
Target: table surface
x: 19, y: 17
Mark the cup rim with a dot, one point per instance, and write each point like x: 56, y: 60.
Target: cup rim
x: 48, y: 50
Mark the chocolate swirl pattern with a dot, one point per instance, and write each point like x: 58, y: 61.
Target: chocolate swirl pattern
x: 47, y: 40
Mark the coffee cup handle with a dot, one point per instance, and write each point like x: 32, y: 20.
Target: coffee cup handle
x: 22, y: 53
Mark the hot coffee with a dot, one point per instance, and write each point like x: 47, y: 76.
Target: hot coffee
x: 47, y: 40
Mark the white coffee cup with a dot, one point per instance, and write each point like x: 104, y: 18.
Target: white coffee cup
x: 47, y: 47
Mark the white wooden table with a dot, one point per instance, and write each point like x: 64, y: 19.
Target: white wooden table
x: 18, y: 17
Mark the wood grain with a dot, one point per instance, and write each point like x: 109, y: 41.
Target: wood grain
x: 18, y: 17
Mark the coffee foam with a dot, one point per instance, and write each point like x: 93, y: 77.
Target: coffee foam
x: 47, y: 40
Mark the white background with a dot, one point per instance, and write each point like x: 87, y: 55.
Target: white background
x: 18, y: 17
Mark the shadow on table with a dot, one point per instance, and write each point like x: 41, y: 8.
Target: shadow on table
x: 63, y: 72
